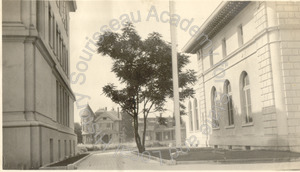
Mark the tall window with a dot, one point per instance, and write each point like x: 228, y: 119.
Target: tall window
x: 70, y: 147
x: 229, y: 103
x: 224, y: 48
x: 53, y: 33
x: 59, y: 48
x: 57, y: 102
x: 65, y: 148
x: 73, y: 147
x: 59, y: 150
x: 196, y: 115
x: 57, y: 42
x: 246, y: 97
x: 62, y: 105
x: 240, y: 35
x: 66, y: 109
x: 61, y: 51
x: 50, y: 28
x: 64, y: 57
x: 67, y: 63
x: 51, y: 150
x: 211, y: 57
x: 215, y: 121
x: 199, y: 55
x: 190, y: 116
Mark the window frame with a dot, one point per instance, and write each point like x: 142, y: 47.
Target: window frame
x: 215, y: 120
x: 245, y: 100
x: 50, y: 27
x: 229, y: 105
x: 240, y: 35
x: 57, y: 42
x: 211, y: 57
x: 224, y: 48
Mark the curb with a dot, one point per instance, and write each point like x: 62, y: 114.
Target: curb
x: 75, y: 164
x: 239, y: 161
x: 164, y: 161
x: 53, y: 168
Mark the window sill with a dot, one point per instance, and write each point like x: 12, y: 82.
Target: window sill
x: 218, y: 128
x: 247, y: 124
x: 230, y: 126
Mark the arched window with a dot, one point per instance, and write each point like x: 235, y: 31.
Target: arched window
x: 246, y: 97
x: 196, y: 115
x: 228, y: 93
x: 215, y: 121
x: 190, y: 116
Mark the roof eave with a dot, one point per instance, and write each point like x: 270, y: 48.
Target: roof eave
x: 192, y: 45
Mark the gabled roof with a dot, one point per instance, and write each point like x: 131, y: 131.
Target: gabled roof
x: 221, y: 16
x: 88, y: 108
x: 113, y: 115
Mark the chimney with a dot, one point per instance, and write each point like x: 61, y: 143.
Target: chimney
x: 105, y: 108
x: 160, y: 115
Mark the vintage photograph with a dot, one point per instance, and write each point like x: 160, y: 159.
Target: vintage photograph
x: 150, y: 85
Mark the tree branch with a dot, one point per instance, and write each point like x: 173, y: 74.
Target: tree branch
x: 149, y: 109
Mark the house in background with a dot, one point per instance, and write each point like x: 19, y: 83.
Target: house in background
x: 106, y: 122
x: 248, y: 90
x: 160, y: 132
x: 38, y: 119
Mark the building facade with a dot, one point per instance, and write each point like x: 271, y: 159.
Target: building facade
x: 161, y: 133
x: 38, y: 125
x: 106, y: 123
x: 248, y: 90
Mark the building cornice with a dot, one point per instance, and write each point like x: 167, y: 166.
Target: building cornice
x: 221, y: 16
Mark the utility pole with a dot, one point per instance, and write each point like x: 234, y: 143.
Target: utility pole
x: 175, y: 74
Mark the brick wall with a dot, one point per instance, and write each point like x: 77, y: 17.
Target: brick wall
x: 265, y: 71
x: 288, y: 14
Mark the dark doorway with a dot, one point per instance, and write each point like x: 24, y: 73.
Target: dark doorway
x: 105, y: 138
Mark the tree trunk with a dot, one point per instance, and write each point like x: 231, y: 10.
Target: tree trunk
x: 144, y: 133
x: 141, y: 147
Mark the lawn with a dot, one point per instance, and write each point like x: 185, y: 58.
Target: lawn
x: 68, y: 161
x: 203, y: 154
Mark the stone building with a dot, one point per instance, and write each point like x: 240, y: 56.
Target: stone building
x: 248, y: 90
x: 106, y: 123
x: 37, y: 99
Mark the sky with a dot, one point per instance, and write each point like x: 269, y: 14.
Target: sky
x: 91, y: 71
